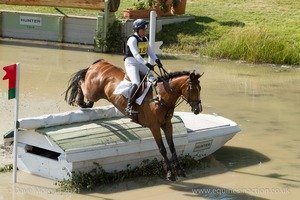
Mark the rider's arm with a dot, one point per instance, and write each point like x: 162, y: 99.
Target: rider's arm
x: 132, y: 44
x: 151, y: 53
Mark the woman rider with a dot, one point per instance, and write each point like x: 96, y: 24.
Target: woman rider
x: 137, y: 46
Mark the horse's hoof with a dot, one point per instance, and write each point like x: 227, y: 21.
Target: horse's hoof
x: 171, y: 176
x: 181, y: 173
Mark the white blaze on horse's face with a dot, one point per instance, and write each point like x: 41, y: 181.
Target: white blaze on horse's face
x: 192, y: 93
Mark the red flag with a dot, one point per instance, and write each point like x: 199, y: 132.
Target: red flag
x: 11, y: 75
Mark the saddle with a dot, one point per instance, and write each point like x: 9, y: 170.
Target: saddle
x: 143, y: 89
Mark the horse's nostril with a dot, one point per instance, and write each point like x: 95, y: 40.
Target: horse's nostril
x: 196, y: 111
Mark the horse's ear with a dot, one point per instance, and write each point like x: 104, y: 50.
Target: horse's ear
x: 199, y: 75
x: 192, y: 75
x: 195, y: 76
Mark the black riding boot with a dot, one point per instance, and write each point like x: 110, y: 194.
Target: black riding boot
x: 131, y: 99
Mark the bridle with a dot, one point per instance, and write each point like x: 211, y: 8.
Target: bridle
x: 181, y: 98
x: 187, y: 100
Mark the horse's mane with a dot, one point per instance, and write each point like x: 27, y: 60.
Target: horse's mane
x: 173, y: 75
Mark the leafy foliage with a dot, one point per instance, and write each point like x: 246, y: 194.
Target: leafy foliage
x: 82, y: 181
x: 7, y: 168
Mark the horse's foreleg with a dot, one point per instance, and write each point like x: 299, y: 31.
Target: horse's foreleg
x: 167, y: 164
x: 179, y: 169
x: 168, y: 130
x: 162, y: 149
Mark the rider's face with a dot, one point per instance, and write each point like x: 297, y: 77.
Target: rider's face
x: 142, y: 32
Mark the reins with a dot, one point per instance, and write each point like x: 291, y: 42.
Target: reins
x: 146, y: 75
x: 164, y: 74
x: 180, y: 100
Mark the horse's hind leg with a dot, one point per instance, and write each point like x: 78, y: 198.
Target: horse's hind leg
x: 80, y: 100
x: 89, y: 104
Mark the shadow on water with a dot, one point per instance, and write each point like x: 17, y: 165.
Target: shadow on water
x: 235, y: 157
x: 231, y: 158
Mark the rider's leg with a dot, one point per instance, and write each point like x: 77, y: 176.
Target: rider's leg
x: 144, y: 70
x: 133, y: 73
x: 131, y: 99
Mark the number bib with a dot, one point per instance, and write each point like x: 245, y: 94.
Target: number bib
x: 142, y: 48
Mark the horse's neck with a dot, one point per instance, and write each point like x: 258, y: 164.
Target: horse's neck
x: 177, y: 84
x: 175, y: 90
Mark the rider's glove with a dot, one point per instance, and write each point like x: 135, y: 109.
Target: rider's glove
x: 151, y: 67
x: 158, y: 63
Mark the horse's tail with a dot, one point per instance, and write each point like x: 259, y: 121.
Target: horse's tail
x: 74, y: 86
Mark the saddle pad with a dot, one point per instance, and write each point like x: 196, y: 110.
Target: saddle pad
x: 124, y: 86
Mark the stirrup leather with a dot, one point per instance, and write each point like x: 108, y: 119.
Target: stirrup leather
x: 129, y: 110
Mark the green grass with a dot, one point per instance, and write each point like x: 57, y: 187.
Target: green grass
x: 256, y: 31
x: 254, y: 45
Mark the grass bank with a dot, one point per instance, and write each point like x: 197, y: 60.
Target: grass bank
x: 252, y: 30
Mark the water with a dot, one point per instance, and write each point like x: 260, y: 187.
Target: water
x: 260, y: 162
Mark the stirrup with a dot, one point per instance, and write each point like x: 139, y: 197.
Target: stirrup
x: 129, y: 111
x: 152, y: 80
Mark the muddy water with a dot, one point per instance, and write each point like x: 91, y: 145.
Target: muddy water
x: 260, y: 162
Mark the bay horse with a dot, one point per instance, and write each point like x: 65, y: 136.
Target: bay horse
x: 99, y: 82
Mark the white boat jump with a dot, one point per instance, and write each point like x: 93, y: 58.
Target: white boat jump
x: 53, y: 145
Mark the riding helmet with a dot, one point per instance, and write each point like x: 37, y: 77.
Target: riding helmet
x: 139, y: 24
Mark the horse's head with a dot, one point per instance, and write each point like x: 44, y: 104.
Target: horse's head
x: 192, y: 93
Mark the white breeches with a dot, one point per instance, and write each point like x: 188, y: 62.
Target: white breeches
x: 134, y: 71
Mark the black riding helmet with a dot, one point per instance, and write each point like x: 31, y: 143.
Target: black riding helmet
x: 139, y: 24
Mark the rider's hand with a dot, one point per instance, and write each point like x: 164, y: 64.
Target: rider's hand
x: 158, y: 63
x: 151, y: 67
